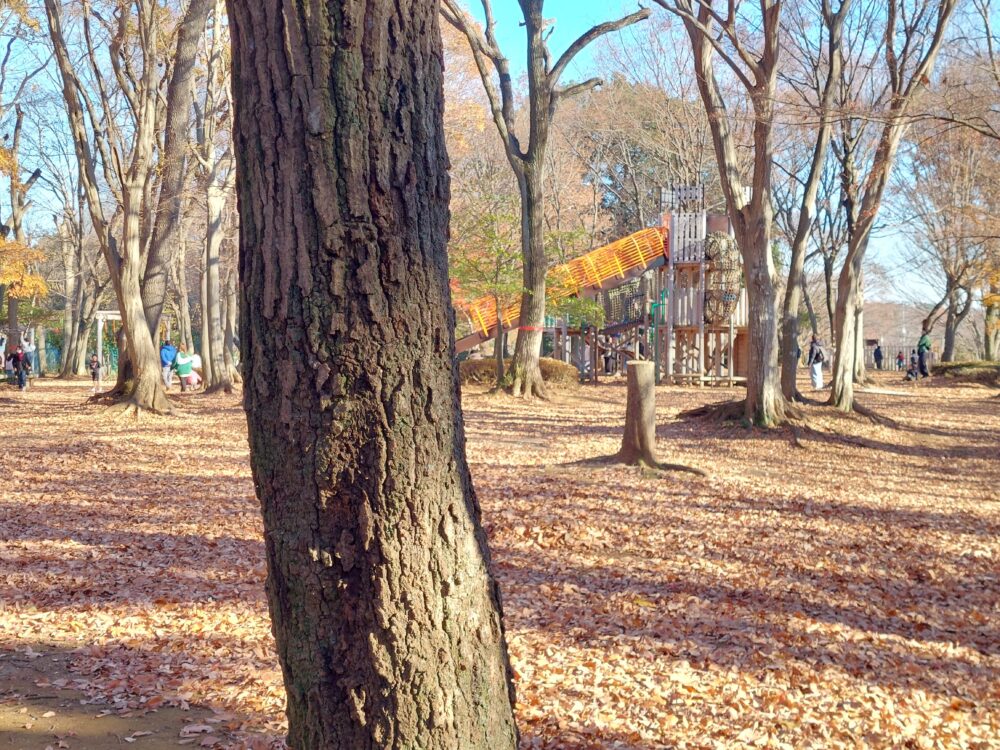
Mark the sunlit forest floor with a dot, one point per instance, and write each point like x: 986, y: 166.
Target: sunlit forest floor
x: 832, y: 586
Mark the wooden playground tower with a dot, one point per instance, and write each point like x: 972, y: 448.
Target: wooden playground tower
x: 653, y: 286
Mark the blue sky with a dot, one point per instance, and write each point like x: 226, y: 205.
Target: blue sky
x: 573, y: 17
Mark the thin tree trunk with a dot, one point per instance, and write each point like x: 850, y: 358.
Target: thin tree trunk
x: 184, y: 331
x: 212, y: 312
x: 204, y: 345
x: 229, y: 342
x: 992, y: 330
x: 525, y: 371
x: 831, y: 314
x: 386, y: 618
x: 813, y: 322
x: 41, y: 350
x: 69, y: 291
x: 83, y: 341
x: 498, y: 345
x: 860, y: 373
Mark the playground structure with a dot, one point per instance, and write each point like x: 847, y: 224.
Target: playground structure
x: 671, y: 294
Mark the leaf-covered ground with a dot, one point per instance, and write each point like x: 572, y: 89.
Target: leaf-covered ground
x: 841, y: 592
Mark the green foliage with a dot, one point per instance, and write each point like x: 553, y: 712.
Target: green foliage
x: 577, y: 311
x: 485, y: 250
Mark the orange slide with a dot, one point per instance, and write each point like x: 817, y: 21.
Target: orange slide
x: 602, y: 268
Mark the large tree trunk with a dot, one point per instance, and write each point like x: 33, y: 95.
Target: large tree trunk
x: 765, y: 405
x: 386, y: 619
x: 526, y: 374
x: 140, y: 381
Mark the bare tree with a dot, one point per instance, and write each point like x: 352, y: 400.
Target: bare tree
x: 815, y: 85
x: 527, y: 155
x: 215, y: 155
x: 914, y: 33
x: 941, y: 194
x: 125, y: 156
x: 173, y: 162
x: 726, y: 35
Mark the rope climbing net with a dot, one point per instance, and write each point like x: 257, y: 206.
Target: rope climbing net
x: 723, y: 277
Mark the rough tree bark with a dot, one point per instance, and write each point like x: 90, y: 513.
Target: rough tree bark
x: 639, y: 440
x: 386, y: 618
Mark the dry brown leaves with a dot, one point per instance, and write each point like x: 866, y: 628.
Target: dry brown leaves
x: 845, y: 595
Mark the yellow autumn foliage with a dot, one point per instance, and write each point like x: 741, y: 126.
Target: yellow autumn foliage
x: 15, y: 270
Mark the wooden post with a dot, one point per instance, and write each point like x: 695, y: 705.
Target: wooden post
x: 99, y: 348
x: 639, y: 440
x: 732, y: 352
x: 671, y: 300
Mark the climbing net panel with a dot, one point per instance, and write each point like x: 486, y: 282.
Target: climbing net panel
x: 624, y: 303
x: 723, y: 277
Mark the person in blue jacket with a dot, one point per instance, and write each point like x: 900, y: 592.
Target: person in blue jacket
x: 168, y: 353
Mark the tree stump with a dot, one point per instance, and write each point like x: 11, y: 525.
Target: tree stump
x: 639, y: 440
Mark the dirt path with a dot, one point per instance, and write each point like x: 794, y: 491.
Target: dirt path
x: 39, y: 709
x: 842, y: 593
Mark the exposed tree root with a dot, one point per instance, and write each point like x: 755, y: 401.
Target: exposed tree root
x: 528, y: 386
x: 123, y: 400
x: 735, y: 411
x: 651, y: 464
x: 727, y: 411
x: 874, y: 416
x: 647, y: 464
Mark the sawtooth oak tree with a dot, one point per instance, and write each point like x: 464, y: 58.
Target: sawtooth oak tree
x: 526, y: 153
x: 386, y: 618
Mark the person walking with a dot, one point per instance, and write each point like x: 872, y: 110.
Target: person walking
x: 815, y: 361
x: 95, y: 373
x: 168, y: 353
x: 900, y: 361
x: 20, y: 366
x: 878, y: 356
x: 184, y: 365
x: 923, y: 350
x: 8, y: 366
